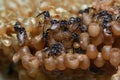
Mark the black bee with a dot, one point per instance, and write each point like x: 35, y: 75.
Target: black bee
x: 95, y: 70
x: 11, y: 69
x: 105, y: 15
x: 45, y: 36
x: 106, y: 18
x: 45, y: 13
x: 21, y: 32
x: 56, y: 48
x: 75, y: 37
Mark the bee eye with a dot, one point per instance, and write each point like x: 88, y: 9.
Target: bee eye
x: 86, y: 10
x: 63, y: 23
x: 104, y: 24
x: 53, y: 22
x: 78, y: 19
x: 21, y: 30
x: 46, y: 14
x: 71, y: 20
x: 83, y: 28
x: 17, y: 26
x: 118, y: 18
x: 45, y: 34
x: 81, y: 11
x: 75, y: 37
